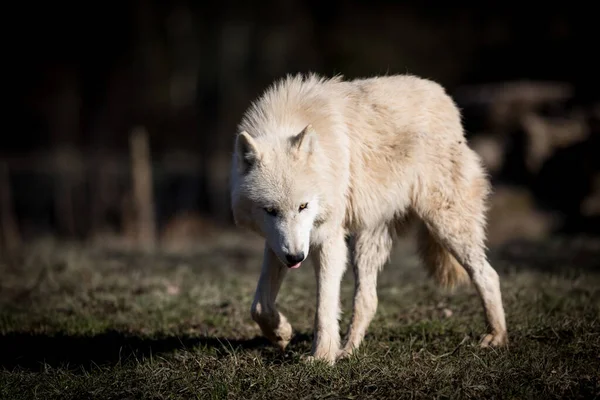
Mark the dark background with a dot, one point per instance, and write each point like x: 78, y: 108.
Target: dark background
x: 82, y: 76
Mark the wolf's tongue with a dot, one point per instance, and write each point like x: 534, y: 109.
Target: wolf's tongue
x: 295, y: 266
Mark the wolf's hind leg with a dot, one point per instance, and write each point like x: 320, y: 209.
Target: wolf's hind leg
x: 457, y: 222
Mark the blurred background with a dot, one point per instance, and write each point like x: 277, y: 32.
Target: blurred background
x: 122, y: 114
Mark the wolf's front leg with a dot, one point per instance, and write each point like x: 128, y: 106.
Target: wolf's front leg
x: 371, y: 251
x: 272, y: 323
x: 330, y: 264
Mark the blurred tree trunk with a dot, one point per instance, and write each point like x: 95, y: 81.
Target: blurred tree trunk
x: 63, y: 113
x: 10, y: 235
x: 141, y: 174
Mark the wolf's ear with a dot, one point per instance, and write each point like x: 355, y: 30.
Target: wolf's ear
x: 305, y: 141
x: 246, y: 150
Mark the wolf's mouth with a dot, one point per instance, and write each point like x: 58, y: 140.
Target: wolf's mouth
x: 294, y: 266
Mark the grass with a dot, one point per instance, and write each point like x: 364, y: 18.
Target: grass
x: 87, y: 323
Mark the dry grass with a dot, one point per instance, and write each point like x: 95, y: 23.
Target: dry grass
x: 88, y: 323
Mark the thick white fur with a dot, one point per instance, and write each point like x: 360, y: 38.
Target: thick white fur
x: 367, y: 156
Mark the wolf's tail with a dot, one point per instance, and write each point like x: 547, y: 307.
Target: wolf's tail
x: 440, y: 264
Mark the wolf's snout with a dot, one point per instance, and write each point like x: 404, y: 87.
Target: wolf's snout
x: 294, y: 259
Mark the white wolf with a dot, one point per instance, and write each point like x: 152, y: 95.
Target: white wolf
x: 317, y: 159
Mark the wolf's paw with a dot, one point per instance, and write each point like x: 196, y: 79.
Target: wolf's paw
x: 282, y: 336
x: 306, y: 359
x: 279, y: 336
x: 344, y: 353
x: 311, y: 359
x: 495, y: 339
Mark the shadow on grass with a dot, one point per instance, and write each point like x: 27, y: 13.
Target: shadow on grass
x: 35, y: 351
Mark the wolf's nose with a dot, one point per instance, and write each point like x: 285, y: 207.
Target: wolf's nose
x: 295, y: 258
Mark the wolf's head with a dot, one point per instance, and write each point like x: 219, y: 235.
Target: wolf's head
x: 276, y: 191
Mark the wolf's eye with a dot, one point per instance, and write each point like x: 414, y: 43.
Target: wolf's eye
x: 302, y: 206
x: 270, y: 211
